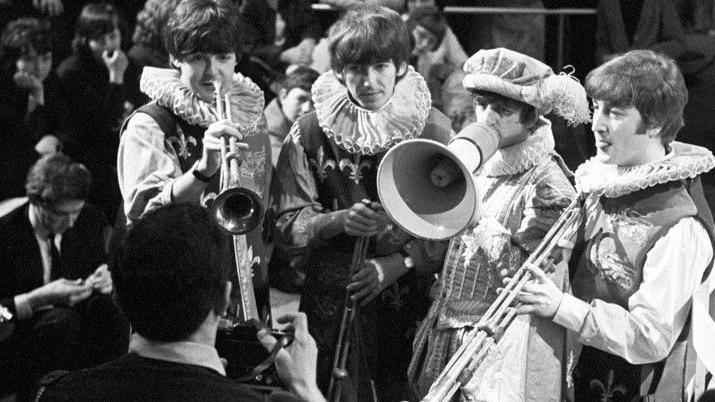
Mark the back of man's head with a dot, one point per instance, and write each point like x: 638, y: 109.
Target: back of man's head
x: 168, y: 272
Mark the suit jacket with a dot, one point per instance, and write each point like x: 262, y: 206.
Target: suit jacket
x: 82, y: 251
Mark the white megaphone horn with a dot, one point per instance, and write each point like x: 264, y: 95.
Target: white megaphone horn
x: 427, y: 187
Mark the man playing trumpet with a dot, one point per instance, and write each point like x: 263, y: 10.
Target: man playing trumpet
x: 523, y: 189
x: 643, y: 250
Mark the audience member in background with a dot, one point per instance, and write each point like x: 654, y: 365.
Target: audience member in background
x: 625, y: 25
x: 173, y: 288
x: 55, y: 279
x: 369, y: 101
x: 283, y: 33
x: 437, y: 52
x: 148, y: 38
x: 99, y: 86
x: 31, y: 101
x: 294, y: 100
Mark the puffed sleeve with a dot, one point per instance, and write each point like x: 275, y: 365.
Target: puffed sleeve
x: 146, y: 167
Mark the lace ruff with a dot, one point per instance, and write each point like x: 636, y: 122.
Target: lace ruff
x: 520, y: 157
x: 361, y: 131
x: 164, y: 86
x: 682, y: 161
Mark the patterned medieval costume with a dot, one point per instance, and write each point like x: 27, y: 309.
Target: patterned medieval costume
x: 328, y: 163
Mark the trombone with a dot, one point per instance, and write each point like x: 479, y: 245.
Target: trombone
x: 237, y: 209
x: 500, y: 314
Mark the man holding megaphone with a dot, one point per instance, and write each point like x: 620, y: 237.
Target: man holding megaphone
x: 518, y: 193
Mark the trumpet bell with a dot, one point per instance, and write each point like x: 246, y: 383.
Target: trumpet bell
x: 238, y: 210
x: 410, y: 197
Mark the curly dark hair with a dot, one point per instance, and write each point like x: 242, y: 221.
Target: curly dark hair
x: 20, y: 38
x: 151, y: 21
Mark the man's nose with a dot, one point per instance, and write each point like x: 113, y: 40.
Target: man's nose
x: 212, y: 66
x: 370, y: 77
x: 597, y: 121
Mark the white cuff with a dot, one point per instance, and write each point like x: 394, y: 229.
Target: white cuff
x: 572, y: 313
x: 22, y: 306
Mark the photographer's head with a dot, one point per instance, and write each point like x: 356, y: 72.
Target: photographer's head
x: 638, y: 101
x: 169, y: 274
x: 369, y: 48
x: 57, y: 188
x: 201, y: 39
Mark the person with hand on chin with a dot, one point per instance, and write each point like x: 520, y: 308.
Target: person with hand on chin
x: 326, y: 198
x: 643, y: 250
x: 100, y: 86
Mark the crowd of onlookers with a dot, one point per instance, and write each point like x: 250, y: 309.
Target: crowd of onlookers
x: 70, y: 77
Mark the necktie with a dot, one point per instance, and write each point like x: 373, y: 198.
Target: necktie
x: 56, y: 271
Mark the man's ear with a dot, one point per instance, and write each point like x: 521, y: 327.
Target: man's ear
x: 173, y: 62
x: 282, y: 93
x: 226, y: 300
x: 653, y: 132
x: 402, y: 69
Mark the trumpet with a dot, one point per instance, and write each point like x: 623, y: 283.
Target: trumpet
x: 478, y: 344
x: 237, y: 209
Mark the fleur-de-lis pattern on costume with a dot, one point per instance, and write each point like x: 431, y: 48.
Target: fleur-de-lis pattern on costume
x: 180, y: 143
x: 608, y: 392
x: 251, y: 259
x: 321, y: 164
x: 355, y: 168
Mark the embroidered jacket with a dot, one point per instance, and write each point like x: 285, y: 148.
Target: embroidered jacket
x: 328, y: 163
x: 644, y: 249
x: 524, y: 190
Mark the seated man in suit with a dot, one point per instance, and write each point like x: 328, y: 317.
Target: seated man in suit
x: 55, y: 279
x: 173, y: 288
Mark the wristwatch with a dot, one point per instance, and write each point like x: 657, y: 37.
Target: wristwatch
x: 200, y: 176
x: 407, y: 259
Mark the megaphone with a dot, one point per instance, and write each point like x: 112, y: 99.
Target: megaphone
x: 427, y: 187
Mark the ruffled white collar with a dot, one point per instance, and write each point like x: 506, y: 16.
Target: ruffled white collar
x: 164, y: 86
x: 358, y: 130
x: 519, y: 157
x: 681, y: 162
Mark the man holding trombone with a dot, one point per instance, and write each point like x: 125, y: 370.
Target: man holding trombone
x: 644, y: 246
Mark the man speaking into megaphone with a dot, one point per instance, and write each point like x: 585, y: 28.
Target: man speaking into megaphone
x: 495, y: 189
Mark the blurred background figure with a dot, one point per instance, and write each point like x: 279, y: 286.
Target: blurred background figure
x: 31, y: 101
x: 101, y: 87
x: 148, y: 38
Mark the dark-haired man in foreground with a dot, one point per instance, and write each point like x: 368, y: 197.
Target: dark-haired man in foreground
x: 172, y: 286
